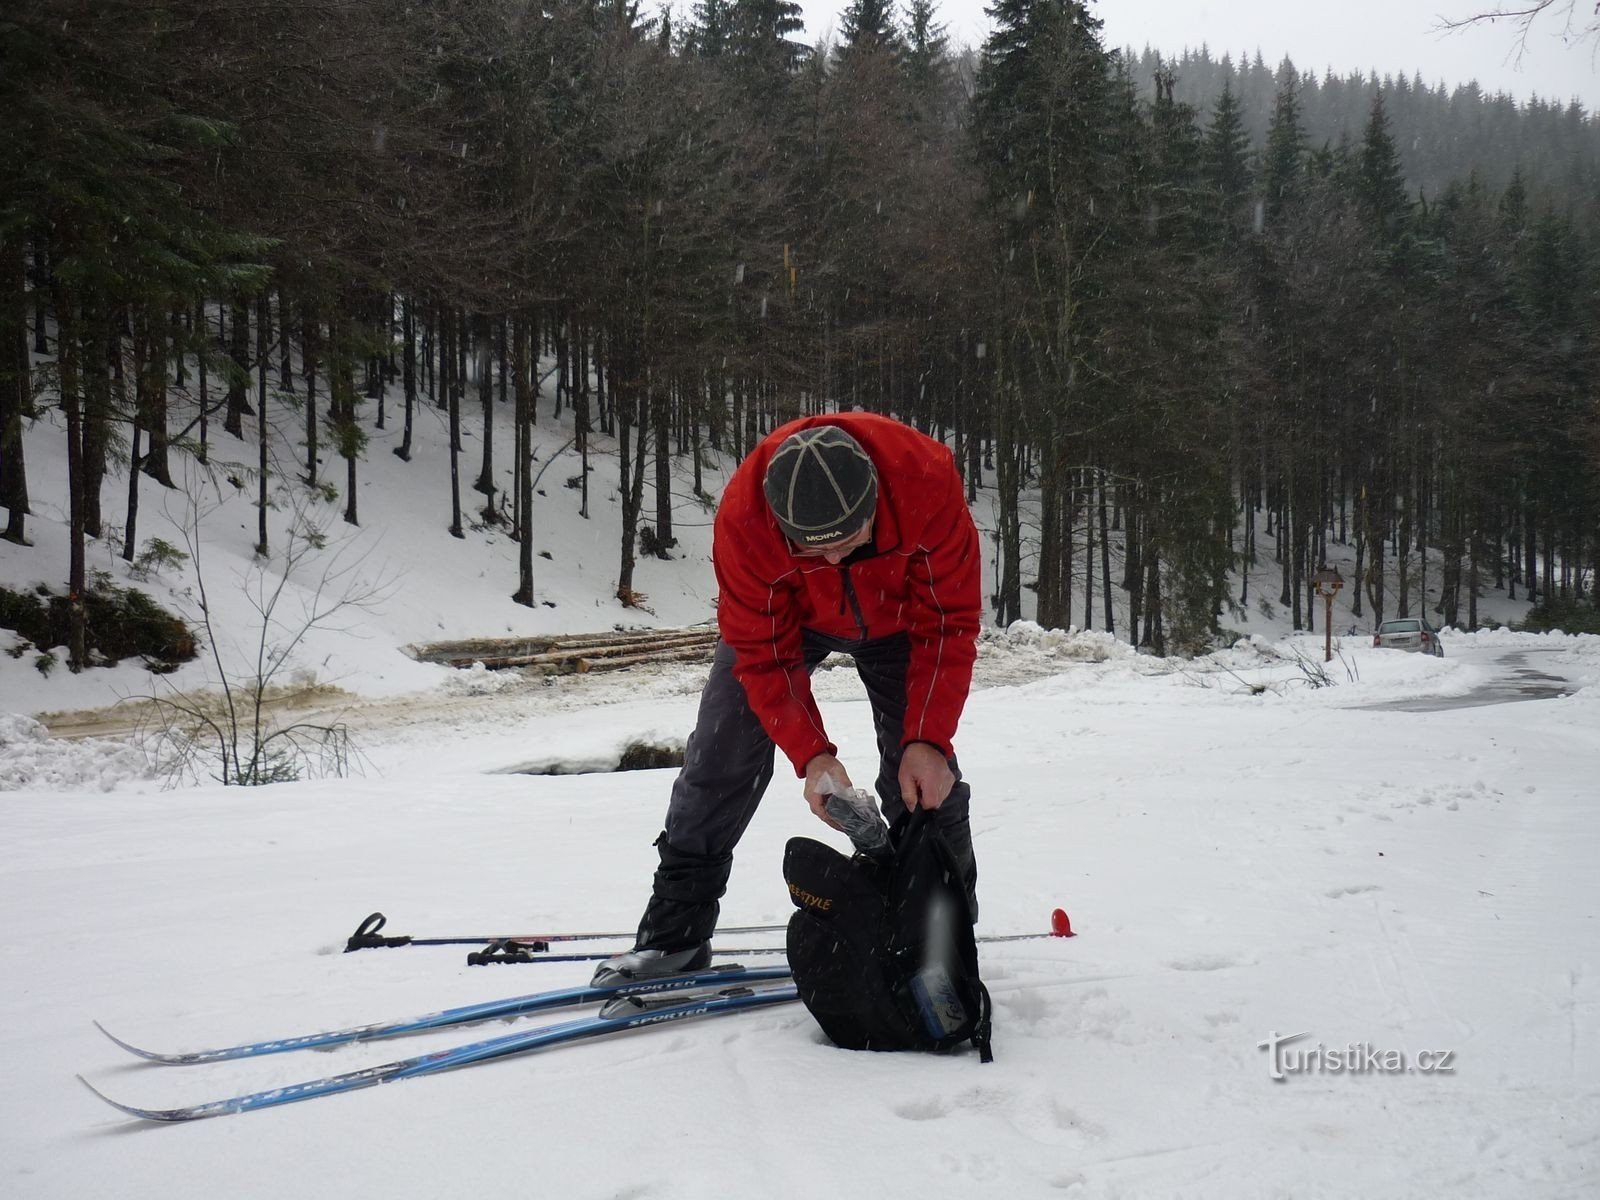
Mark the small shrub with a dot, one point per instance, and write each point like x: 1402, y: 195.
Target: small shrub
x: 26, y: 614
x: 45, y: 663
x: 156, y: 555
x: 118, y: 623
x: 1569, y: 616
x: 652, y: 544
x: 313, y: 535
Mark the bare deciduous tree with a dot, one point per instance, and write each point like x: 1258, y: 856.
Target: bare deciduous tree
x: 230, y: 731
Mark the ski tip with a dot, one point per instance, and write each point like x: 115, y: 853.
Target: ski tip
x: 1061, y: 924
x: 154, y: 1056
x: 128, y: 1046
x: 116, y: 1104
x: 164, y: 1116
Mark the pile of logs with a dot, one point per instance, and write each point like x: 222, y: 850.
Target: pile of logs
x: 575, y: 654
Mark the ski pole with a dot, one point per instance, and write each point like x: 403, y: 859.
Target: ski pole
x: 368, y: 936
x: 510, y: 952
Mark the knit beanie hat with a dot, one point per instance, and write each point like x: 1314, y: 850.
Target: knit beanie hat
x: 821, y: 485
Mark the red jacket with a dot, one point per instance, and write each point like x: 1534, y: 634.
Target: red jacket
x: 921, y: 575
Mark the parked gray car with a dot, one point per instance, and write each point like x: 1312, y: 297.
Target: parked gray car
x: 1409, y: 633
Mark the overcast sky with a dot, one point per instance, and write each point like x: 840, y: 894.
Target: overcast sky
x: 1386, y: 36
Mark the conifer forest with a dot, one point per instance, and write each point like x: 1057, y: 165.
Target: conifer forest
x: 1177, y: 315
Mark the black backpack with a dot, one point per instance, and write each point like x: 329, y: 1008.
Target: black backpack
x: 883, y: 952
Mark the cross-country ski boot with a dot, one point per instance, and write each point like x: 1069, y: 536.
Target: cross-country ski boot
x: 638, y: 965
x: 675, y: 933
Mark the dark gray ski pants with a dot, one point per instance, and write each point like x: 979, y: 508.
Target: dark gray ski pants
x: 728, y: 764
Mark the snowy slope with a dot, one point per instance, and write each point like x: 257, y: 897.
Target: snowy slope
x: 430, y: 586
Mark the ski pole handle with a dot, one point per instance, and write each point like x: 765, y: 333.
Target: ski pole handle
x: 366, y: 936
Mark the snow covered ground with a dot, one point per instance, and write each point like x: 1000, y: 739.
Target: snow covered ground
x: 1244, y: 856
x: 1239, y: 862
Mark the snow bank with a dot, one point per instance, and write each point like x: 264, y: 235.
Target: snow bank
x: 30, y: 758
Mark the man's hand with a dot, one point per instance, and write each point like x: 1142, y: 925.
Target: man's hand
x: 825, y: 776
x: 925, y: 776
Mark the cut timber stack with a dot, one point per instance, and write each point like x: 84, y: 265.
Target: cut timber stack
x: 577, y: 653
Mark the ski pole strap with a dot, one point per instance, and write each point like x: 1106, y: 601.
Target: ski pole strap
x: 507, y: 950
x: 366, y: 936
x: 982, y: 1035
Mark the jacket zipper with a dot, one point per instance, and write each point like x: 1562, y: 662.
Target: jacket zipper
x: 849, y: 593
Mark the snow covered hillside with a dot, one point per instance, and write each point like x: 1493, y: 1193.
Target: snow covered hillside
x: 427, y: 585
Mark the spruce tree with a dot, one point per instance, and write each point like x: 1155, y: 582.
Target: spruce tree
x: 868, y: 25
x: 1051, y: 129
x: 1381, y: 182
x: 927, y: 52
x: 761, y: 37
x: 1226, y: 162
x: 1284, y: 164
x: 710, y: 28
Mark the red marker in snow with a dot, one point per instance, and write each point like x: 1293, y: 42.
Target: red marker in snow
x: 1061, y: 924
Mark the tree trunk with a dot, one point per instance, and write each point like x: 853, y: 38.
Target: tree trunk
x: 1361, y: 551
x: 453, y: 402
x: 1472, y: 580
x: 1088, y: 556
x: 1403, y: 557
x: 263, y: 316
x: 1154, y: 636
x: 142, y: 371
x: 565, y: 376
x: 1530, y: 577
x: 285, y: 367
x: 99, y: 372
x: 378, y: 384
x: 1008, y: 598
x: 482, y: 354
x: 1133, y: 573
x: 16, y: 389
x: 130, y: 531
x: 342, y: 404
x: 1376, y: 572
x: 178, y: 342
x: 153, y: 412
x: 1047, y: 605
x: 523, y: 390
x: 632, y: 411
x: 580, y: 429
x: 201, y: 358
x: 1066, y: 497
x: 42, y: 284
x: 408, y: 372
x: 239, y: 375
x: 66, y: 333
x: 310, y: 349
x: 659, y: 405
x: 1105, y: 562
